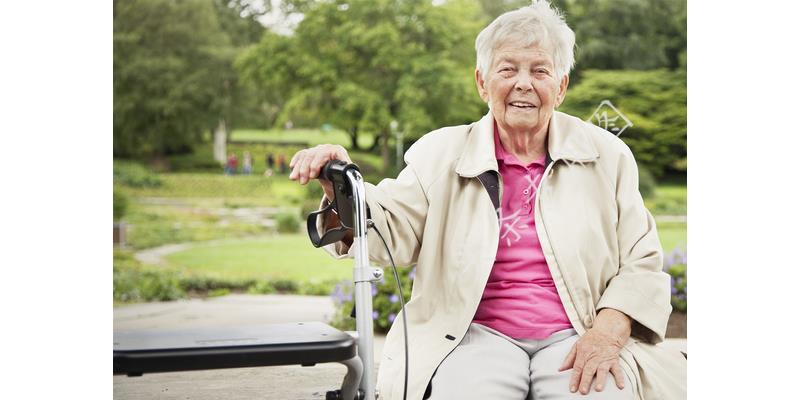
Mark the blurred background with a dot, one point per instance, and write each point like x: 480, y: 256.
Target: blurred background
x: 213, y: 97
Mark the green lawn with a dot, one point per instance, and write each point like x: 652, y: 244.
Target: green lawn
x: 668, y: 199
x: 278, y: 257
x: 311, y: 136
x: 277, y: 190
x: 672, y: 234
x: 292, y: 257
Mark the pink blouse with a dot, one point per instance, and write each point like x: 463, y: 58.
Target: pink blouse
x: 520, y: 298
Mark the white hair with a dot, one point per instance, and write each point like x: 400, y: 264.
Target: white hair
x: 537, y: 24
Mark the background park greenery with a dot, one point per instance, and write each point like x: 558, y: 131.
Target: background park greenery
x: 343, y: 73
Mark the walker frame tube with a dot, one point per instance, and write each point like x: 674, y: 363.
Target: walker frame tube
x: 363, y: 276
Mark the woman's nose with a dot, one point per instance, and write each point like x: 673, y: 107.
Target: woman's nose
x: 524, y: 82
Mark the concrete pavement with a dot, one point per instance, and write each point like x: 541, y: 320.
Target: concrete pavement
x: 283, y: 382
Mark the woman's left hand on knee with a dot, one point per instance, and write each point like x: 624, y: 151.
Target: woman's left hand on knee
x: 595, y: 353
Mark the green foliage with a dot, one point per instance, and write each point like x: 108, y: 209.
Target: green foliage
x: 120, y: 204
x: 195, y: 187
x: 675, y: 265
x: 361, y: 66
x: 219, y: 292
x: 285, y: 286
x: 160, y: 224
x: 173, y: 75
x: 201, y: 159
x: 385, y: 300
x: 628, y: 34
x: 134, y: 283
x: 197, y: 283
x: 135, y: 175
x: 287, y: 222
x: 655, y: 101
x: 668, y: 200
x: 316, y: 287
x: 647, y: 184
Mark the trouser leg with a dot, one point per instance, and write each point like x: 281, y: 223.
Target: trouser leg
x: 549, y: 384
x: 483, y: 366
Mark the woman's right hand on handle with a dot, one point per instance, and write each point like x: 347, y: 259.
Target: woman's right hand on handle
x: 307, y: 164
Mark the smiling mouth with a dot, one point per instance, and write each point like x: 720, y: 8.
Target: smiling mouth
x: 522, y: 105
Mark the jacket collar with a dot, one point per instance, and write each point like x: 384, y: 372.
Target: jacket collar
x: 566, y: 140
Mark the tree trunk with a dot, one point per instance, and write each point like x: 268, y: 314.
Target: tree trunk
x: 354, y: 138
x: 385, y: 151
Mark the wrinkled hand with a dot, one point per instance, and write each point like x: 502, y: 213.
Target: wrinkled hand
x: 597, y: 353
x: 306, y: 164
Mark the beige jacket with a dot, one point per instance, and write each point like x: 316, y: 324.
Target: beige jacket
x: 599, y: 240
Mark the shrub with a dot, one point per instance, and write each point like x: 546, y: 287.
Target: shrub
x: 647, y: 184
x: 308, y: 207
x: 219, y: 292
x: 314, y: 191
x: 120, y: 204
x: 675, y: 265
x: 654, y: 100
x: 134, y: 175
x: 261, y: 287
x: 132, y: 282
x: 316, y: 288
x: 203, y: 284
x: 201, y: 159
x: 385, y: 300
x: 287, y: 222
x: 285, y: 286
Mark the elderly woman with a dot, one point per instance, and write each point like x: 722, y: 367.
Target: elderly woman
x: 538, y: 266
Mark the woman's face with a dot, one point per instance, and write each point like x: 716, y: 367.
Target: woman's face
x: 521, y: 88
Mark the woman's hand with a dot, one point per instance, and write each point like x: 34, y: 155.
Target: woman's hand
x: 597, y: 352
x: 306, y: 164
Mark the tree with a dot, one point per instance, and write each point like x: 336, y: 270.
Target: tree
x: 628, y: 34
x: 364, y: 63
x: 618, y: 34
x: 655, y: 101
x: 170, y: 69
x: 243, y: 105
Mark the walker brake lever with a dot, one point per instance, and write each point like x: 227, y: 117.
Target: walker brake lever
x: 335, y: 171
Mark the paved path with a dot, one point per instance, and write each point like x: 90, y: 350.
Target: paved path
x: 285, y: 382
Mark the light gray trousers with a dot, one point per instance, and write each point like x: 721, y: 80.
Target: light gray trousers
x: 490, y: 365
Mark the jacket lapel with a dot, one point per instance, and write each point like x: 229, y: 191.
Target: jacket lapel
x: 478, y: 158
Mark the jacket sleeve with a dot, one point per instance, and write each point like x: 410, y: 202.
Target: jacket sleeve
x: 640, y: 289
x: 398, y: 208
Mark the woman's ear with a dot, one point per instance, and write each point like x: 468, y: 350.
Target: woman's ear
x: 562, y: 90
x: 481, y: 86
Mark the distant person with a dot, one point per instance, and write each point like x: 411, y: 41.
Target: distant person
x: 288, y: 125
x: 282, y: 163
x: 231, y: 165
x: 247, y: 163
x: 270, y: 160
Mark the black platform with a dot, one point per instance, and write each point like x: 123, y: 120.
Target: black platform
x: 299, y: 343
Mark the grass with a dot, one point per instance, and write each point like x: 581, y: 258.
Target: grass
x: 277, y: 190
x: 668, y: 199
x: 672, y: 234
x: 281, y: 257
x: 292, y: 257
x: 312, y: 137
